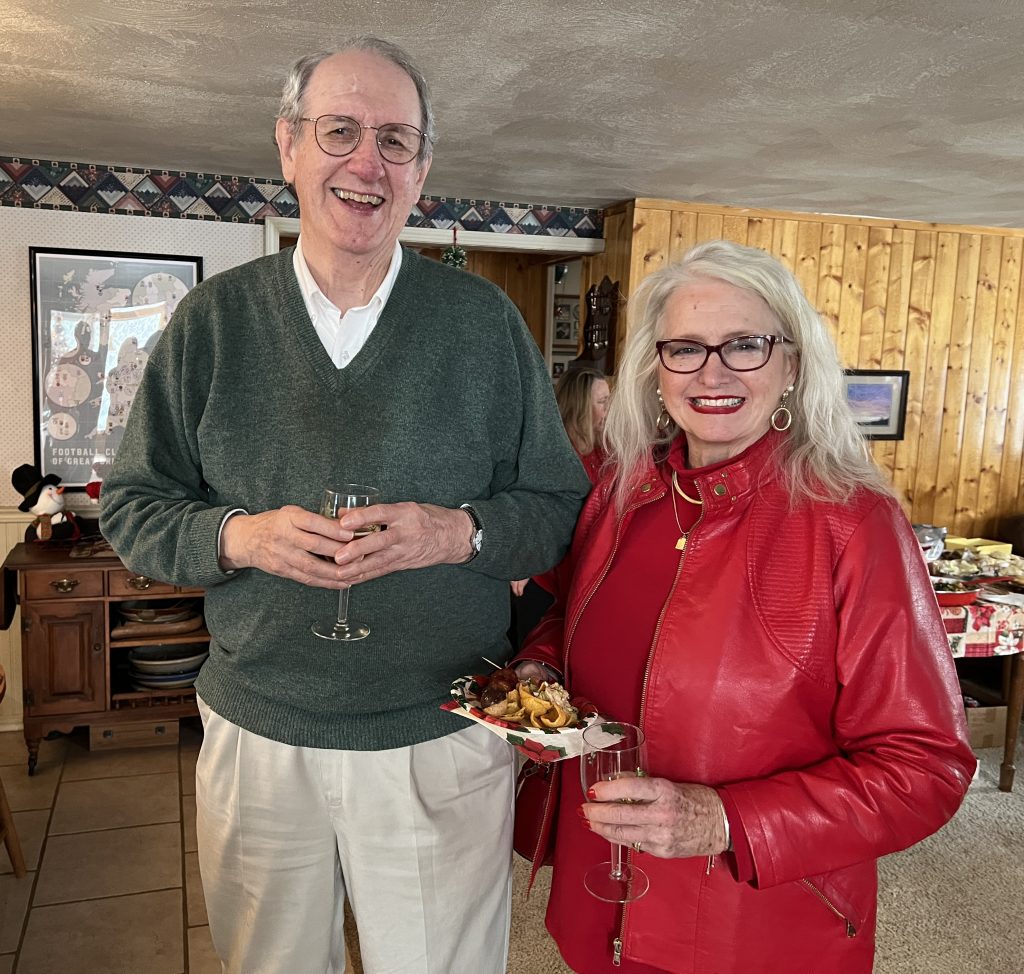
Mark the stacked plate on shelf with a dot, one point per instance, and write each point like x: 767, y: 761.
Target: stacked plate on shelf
x: 166, y: 667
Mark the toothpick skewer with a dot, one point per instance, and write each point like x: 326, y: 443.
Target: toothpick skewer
x: 495, y: 665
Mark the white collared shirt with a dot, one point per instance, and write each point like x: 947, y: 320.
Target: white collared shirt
x: 343, y: 335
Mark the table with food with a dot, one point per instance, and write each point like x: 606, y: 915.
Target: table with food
x: 980, y: 590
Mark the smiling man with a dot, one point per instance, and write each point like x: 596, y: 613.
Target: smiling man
x: 328, y: 770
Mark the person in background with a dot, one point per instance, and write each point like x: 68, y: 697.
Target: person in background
x: 328, y: 770
x: 743, y: 585
x: 583, y: 396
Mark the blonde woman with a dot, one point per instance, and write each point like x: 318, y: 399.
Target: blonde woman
x: 583, y: 396
x: 743, y: 585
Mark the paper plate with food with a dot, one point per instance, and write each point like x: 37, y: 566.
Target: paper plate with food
x: 537, y: 719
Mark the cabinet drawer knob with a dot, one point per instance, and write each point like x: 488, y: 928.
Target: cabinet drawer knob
x: 64, y: 584
x: 97, y: 648
x: 140, y: 582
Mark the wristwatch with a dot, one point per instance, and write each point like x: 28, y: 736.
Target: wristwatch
x: 477, y: 541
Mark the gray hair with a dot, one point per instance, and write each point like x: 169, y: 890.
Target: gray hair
x: 824, y: 456
x: 302, y: 70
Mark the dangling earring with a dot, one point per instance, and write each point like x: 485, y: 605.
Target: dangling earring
x: 782, y: 418
x: 664, y: 417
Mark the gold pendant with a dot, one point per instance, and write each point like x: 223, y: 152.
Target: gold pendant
x: 681, y: 543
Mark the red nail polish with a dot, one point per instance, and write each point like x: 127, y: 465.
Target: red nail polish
x: 591, y: 795
x: 582, y: 814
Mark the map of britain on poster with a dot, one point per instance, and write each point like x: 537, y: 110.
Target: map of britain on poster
x: 97, y: 318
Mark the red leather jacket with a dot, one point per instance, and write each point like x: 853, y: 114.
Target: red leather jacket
x: 801, y: 668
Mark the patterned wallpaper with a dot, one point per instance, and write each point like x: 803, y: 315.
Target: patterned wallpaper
x: 94, y: 188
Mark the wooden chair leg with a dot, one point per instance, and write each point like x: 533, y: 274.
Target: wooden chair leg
x: 10, y: 836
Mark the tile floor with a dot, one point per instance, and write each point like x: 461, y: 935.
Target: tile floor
x: 109, y: 839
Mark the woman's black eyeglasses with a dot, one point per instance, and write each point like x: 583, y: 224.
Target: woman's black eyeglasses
x: 745, y: 354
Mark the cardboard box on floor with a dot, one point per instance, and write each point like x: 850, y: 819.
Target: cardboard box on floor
x: 986, y: 726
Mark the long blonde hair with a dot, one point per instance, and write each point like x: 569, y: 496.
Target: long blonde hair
x: 823, y: 455
x: 572, y: 393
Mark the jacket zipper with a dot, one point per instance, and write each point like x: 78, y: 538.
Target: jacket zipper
x: 604, y: 573
x: 617, y: 942
x: 661, y: 618
x: 542, y: 831
x: 550, y: 808
x: 851, y: 930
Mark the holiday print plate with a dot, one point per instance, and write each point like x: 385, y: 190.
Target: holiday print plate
x: 536, y: 743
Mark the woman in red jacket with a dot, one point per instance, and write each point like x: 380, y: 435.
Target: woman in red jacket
x: 743, y: 585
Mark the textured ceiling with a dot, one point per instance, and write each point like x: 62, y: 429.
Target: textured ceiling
x: 910, y: 109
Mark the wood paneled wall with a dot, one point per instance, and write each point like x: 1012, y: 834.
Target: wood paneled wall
x: 943, y: 302
x: 522, y: 276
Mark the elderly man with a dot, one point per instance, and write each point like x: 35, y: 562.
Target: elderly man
x: 327, y: 768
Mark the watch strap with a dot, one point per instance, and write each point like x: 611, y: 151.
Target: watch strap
x: 477, y: 541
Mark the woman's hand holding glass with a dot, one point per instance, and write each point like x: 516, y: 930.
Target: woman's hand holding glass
x: 668, y: 819
x: 613, y: 750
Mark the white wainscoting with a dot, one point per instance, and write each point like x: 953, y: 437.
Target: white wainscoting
x: 12, y: 530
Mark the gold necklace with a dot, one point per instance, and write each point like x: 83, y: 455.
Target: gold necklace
x: 679, y: 490
x: 683, y: 535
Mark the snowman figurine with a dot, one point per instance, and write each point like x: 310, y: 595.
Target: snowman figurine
x: 43, y: 498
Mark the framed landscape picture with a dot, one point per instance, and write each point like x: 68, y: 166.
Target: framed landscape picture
x: 878, y: 399
x: 96, y: 316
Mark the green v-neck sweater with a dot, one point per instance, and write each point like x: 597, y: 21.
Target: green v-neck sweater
x: 447, y: 403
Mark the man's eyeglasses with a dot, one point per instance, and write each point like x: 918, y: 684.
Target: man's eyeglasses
x: 745, y: 354
x: 339, y: 135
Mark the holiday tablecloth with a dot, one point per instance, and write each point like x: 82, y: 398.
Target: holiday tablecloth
x: 984, y: 629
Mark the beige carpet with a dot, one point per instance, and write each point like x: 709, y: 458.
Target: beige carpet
x: 952, y: 905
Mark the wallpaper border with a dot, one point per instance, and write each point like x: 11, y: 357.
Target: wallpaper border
x: 94, y: 188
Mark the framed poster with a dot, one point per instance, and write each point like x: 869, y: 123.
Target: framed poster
x: 878, y: 399
x: 96, y: 316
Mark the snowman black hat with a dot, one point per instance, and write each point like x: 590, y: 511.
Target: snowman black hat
x: 29, y: 482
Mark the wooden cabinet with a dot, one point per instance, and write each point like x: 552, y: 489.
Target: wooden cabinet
x: 74, y: 659
x: 63, y: 657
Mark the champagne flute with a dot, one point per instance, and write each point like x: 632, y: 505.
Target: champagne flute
x: 613, y: 750
x: 338, y: 499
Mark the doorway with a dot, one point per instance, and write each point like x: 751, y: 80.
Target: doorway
x: 524, y: 266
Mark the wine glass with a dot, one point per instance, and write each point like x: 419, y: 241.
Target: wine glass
x: 613, y: 750
x: 336, y: 501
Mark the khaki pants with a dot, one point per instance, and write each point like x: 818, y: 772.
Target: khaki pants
x: 418, y: 838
